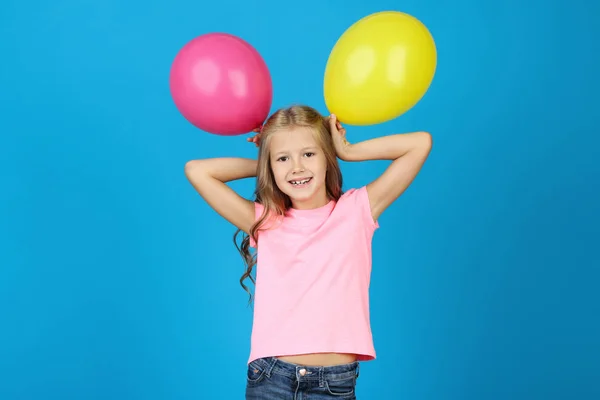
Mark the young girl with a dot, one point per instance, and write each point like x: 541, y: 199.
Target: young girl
x: 313, y: 247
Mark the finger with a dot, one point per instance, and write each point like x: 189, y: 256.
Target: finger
x: 332, y: 122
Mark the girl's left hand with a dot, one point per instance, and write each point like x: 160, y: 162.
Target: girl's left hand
x: 338, y: 134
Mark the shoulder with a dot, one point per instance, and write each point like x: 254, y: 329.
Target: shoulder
x: 355, y: 197
x: 354, y: 193
x: 356, y: 200
x: 265, y: 221
x: 258, y: 209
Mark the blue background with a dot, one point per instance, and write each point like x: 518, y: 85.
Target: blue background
x: 118, y: 282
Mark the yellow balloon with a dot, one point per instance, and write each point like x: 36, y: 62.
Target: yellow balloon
x: 379, y: 68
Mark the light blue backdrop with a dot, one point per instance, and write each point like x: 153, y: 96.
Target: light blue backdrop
x: 118, y: 282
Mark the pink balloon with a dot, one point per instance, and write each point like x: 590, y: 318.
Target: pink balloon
x: 221, y: 84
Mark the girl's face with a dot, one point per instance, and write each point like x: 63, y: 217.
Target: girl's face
x: 299, y: 167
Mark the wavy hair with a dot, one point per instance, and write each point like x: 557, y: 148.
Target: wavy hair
x: 267, y: 193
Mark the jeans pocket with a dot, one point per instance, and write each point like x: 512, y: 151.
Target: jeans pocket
x: 256, y: 372
x: 342, y: 387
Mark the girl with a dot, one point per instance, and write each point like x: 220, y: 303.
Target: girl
x: 313, y: 247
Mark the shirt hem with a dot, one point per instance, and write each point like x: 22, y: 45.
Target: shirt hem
x: 361, y: 356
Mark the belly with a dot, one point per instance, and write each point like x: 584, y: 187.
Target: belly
x: 319, y: 359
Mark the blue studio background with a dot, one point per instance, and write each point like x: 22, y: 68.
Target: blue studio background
x: 118, y: 282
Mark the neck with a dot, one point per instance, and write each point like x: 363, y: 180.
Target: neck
x: 312, y: 203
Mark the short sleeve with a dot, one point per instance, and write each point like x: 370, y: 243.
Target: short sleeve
x: 258, y: 210
x: 361, y: 203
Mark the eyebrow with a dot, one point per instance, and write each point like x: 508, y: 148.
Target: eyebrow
x: 303, y: 149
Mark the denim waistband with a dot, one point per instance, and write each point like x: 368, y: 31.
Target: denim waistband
x: 273, y: 365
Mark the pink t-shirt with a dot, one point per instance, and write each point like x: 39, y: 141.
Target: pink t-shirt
x: 312, y: 281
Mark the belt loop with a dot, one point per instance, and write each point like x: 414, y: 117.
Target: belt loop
x: 321, y: 377
x: 270, y: 365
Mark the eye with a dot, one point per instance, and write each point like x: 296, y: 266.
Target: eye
x: 282, y: 158
x: 309, y: 154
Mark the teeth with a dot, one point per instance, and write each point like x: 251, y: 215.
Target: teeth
x: 300, y: 182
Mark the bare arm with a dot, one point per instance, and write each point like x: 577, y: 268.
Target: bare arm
x: 208, y: 177
x: 408, y: 152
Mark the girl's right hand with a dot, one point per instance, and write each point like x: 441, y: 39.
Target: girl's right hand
x: 256, y: 138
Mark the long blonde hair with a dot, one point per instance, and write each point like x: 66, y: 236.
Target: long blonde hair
x: 274, y: 201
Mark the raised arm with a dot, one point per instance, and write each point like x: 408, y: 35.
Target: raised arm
x: 407, y: 150
x: 208, y: 177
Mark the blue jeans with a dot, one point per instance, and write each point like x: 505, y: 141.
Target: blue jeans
x: 270, y: 378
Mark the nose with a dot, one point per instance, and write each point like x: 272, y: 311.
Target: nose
x: 297, y: 167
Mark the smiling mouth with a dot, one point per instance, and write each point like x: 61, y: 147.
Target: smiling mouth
x: 300, y: 182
